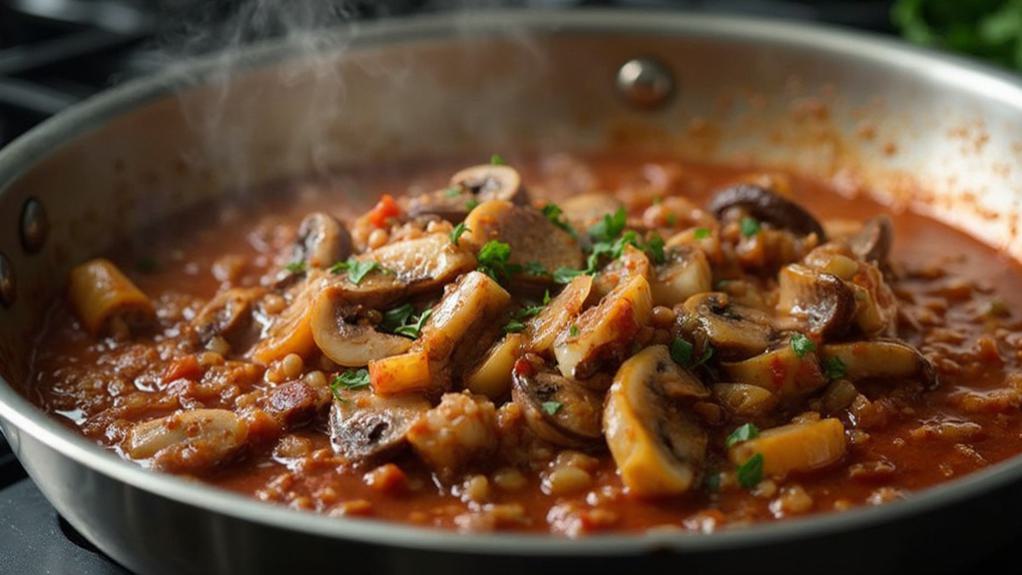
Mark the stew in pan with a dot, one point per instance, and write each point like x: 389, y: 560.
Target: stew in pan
x: 566, y: 344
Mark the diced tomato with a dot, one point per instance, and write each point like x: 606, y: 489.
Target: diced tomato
x: 384, y: 210
x: 186, y: 367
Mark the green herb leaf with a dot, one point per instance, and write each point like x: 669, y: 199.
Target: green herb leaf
x: 563, y: 275
x: 750, y: 227
x: 701, y: 233
x: 654, y: 248
x: 493, y: 260
x: 359, y: 269
x: 671, y: 219
x: 414, y: 328
x: 681, y: 352
x: 834, y: 368
x: 295, y: 267
x: 458, y: 231
x: 514, y: 326
x: 497, y: 160
x: 801, y: 344
x: 707, y: 354
x: 452, y: 192
x: 471, y: 204
x: 553, y: 213
x: 750, y: 473
x: 743, y: 433
x: 551, y: 407
x: 535, y: 269
x: 573, y: 331
x: 610, y: 227
x: 349, y: 380
x: 397, y: 317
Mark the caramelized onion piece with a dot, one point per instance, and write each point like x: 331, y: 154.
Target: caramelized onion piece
x: 541, y: 331
x: 767, y: 206
x: 657, y: 444
x: 804, y: 446
x: 781, y: 372
x: 556, y: 408
x: 106, y: 301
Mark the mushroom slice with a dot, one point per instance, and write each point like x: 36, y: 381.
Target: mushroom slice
x: 658, y: 446
x: 881, y: 359
x: 797, y: 447
x: 766, y: 206
x: 873, y: 242
x: 345, y: 343
x: 541, y: 331
x: 685, y: 273
x: 633, y: 262
x: 227, y: 315
x: 187, y: 441
x: 819, y: 301
x: 532, y: 237
x: 735, y: 331
x: 556, y: 408
x: 322, y: 241
x: 289, y: 332
x: 492, y: 182
x: 743, y: 399
x: 781, y: 372
x: 604, y: 334
x: 423, y: 263
x: 585, y: 210
x: 365, y: 426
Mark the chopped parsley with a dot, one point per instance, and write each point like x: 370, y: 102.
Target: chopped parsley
x: 497, y: 160
x: 452, y: 192
x: 295, y: 267
x: 551, y: 407
x: 834, y: 368
x: 573, y: 331
x: 742, y: 433
x: 535, y: 269
x: 514, y: 326
x: 750, y: 473
x: 654, y: 248
x: 553, y: 213
x: 750, y: 227
x: 701, y: 233
x: 801, y: 344
x: 671, y: 219
x: 349, y: 380
x: 681, y: 352
x: 395, y: 318
x: 493, y: 260
x: 458, y: 230
x: 563, y: 275
x: 471, y: 204
x: 413, y: 327
x: 610, y: 227
x: 357, y: 269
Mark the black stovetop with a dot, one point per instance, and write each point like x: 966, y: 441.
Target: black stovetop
x: 54, y: 53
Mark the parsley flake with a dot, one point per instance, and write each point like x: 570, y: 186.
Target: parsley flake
x: 801, y: 344
x: 681, y: 352
x: 295, y: 267
x: 493, y: 260
x: 551, y: 407
x: 701, y: 233
x: 610, y: 227
x: 834, y: 368
x: 742, y: 433
x: 395, y: 318
x: 357, y: 269
x: 573, y: 331
x: 497, y: 160
x: 514, y: 326
x: 458, y: 230
x: 750, y: 227
x: 471, y: 204
x: 452, y: 192
x: 750, y: 473
x: 553, y: 212
x: 349, y: 380
x: 412, y: 328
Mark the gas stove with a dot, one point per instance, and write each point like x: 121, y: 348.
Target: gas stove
x: 55, y: 53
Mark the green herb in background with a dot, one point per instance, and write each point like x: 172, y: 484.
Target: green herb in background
x: 989, y: 29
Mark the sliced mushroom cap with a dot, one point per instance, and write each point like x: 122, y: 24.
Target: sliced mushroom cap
x: 782, y: 372
x: 541, y: 331
x: 349, y: 344
x: 881, y: 359
x: 766, y: 206
x: 743, y: 399
x: 873, y: 242
x: 658, y: 446
x: 685, y: 272
x: 556, y: 408
x: 424, y: 263
x: 365, y: 426
x: 585, y: 210
x: 322, y: 241
x: 735, y: 331
x: 820, y: 302
x: 532, y: 237
x: 604, y: 334
x: 492, y: 182
x: 187, y: 441
x: 289, y: 332
x: 227, y: 315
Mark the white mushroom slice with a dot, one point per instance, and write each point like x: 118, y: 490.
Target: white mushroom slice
x: 633, y: 262
x: 800, y: 447
x: 349, y: 344
x: 365, y: 426
x: 685, y: 273
x: 881, y: 359
x: 743, y: 399
x: 322, y: 241
x: 585, y: 210
x: 227, y: 315
x: 423, y: 263
x: 533, y: 238
x: 556, y: 408
x: 492, y: 182
x: 604, y: 334
x: 541, y: 331
x: 781, y: 372
x: 735, y: 331
x: 820, y: 303
x: 187, y: 441
x: 492, y: 377
x: 659, y: 447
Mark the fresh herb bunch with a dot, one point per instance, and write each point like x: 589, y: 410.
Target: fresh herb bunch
x: 989, y: 29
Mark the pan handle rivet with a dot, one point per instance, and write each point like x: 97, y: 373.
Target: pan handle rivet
x: 645, y: 83
x: 35, y: 225
x: 7, y: 285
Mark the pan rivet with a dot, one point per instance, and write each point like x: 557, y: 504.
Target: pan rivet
x: 35, y: 225
x: 7, y: 286
x: 645, y: 83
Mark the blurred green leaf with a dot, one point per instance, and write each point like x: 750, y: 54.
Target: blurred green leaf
x: 989, y: 29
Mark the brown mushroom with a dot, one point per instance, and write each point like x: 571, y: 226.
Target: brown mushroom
x: 365, y: 426
x: 818, y: 302
x: 585, y: 210
x: 766, y: 206
x: 532, y: 237
x: 345, y: 342
x: 685, y: 272
x: 322, y: 241
x: 469, y: 187
x: 880, y: 359
x: 873, y: 242
x: 735, y: 331
x: 227, y: 315
x: 557, y: 409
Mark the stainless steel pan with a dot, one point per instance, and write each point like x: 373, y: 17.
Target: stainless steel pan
x: 916, y: 127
